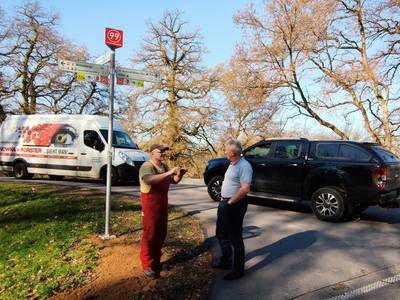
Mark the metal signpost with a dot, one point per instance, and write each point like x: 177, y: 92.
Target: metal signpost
x: 114, y: 39
x: 106, y: 74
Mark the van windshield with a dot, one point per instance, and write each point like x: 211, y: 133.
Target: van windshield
x: 120, y: 139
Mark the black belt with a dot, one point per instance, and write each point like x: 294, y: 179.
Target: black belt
x: 225, y: 199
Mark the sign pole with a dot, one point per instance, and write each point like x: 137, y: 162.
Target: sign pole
x: 110, y: 147
x: 113, y: 39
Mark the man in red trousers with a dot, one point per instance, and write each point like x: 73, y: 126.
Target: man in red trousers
x: 155, y: 178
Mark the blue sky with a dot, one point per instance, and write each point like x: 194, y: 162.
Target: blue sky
x: 83, y: 22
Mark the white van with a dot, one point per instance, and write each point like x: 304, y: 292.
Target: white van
x: 66, y: 145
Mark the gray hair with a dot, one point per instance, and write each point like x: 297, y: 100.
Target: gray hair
x: 235, y: 145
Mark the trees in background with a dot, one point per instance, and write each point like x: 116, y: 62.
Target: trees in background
x: 30, y: 48
x: 335, y: 62
x: 326, y: 59
x: 176, y: 111
x: 4, y: 34
x: 248, y: 113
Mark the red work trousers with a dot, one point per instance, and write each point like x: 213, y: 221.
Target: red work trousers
x: 155, y: 220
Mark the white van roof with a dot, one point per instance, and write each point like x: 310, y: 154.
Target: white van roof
x: 95, y: 121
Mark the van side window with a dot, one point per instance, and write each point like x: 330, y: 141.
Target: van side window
x: 260, y: 151
x: 92, y: 139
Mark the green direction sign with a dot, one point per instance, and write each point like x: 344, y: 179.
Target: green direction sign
x: 137, y: 74
x: 72, y: 66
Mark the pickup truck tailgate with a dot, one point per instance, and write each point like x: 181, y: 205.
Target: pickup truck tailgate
x: 392, y: 165
x: 393, y: 176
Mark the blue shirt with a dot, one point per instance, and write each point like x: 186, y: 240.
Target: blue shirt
x: 237, y: 174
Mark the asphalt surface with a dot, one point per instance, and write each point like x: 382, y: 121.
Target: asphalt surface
x: 292, y: 255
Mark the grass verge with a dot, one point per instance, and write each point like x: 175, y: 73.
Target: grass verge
x: 45, y: 243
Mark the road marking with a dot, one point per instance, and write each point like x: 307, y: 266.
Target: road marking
x: 367, y: 288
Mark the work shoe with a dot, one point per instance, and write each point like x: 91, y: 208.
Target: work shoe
x: 161, y: 267
x: 151, y: 274
x: 222, y: 265
x: 233, y: 275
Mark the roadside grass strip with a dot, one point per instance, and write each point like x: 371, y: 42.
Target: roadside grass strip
x: 46, y: 241
x: 367, y: 288
x: 43, y: 238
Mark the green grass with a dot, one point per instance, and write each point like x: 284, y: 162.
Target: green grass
x: 45, y: 245
x: 43, y: 236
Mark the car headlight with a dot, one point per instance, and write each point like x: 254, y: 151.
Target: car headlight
x: 126, y: 159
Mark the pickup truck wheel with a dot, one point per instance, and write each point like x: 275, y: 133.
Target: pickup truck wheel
x: 328, y: 204
x: 21, y: 171
x: 214, y: 188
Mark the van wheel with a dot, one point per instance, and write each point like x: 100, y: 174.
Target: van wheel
x: 328, y: 204
x: 114, y: 176
x: 214, y: 188
x: 21, y: 171
x: 56, y: 177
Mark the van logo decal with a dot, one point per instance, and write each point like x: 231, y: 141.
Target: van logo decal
x: 48, y: 134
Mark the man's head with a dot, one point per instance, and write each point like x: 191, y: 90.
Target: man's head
x: 233, y: 149
x: 157, y: 151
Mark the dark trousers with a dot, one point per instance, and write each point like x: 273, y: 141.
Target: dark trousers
x: 229, y: 232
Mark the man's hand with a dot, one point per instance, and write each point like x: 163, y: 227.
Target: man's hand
x: 173, y: 171
x: 156, y: 178
x: 178, y: 174
x: 182, y: 172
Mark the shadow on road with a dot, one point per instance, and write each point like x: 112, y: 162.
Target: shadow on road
x: 377, y: 214
x: 251, y: 231
x: 285, y: 246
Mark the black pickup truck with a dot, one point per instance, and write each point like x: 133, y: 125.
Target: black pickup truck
x: 338, y: 178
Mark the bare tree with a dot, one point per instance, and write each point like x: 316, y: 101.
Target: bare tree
x: 4, y: 90
x: 248, y: 113
x: 29, y: 54
x: 177, y: 109
x: 279, y: 45
x: 352, y: 61
x: 330, y: 58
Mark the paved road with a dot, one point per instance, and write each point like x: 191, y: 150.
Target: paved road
x: 292, y: 255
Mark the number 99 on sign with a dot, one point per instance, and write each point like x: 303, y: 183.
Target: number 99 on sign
x: 114, y: 35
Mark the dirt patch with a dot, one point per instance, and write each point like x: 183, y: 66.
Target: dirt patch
x: 119, y: 276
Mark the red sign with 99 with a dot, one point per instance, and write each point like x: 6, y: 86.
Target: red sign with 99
x: 114, y: 38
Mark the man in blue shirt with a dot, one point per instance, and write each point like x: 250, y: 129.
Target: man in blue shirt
x: 231, y: 210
